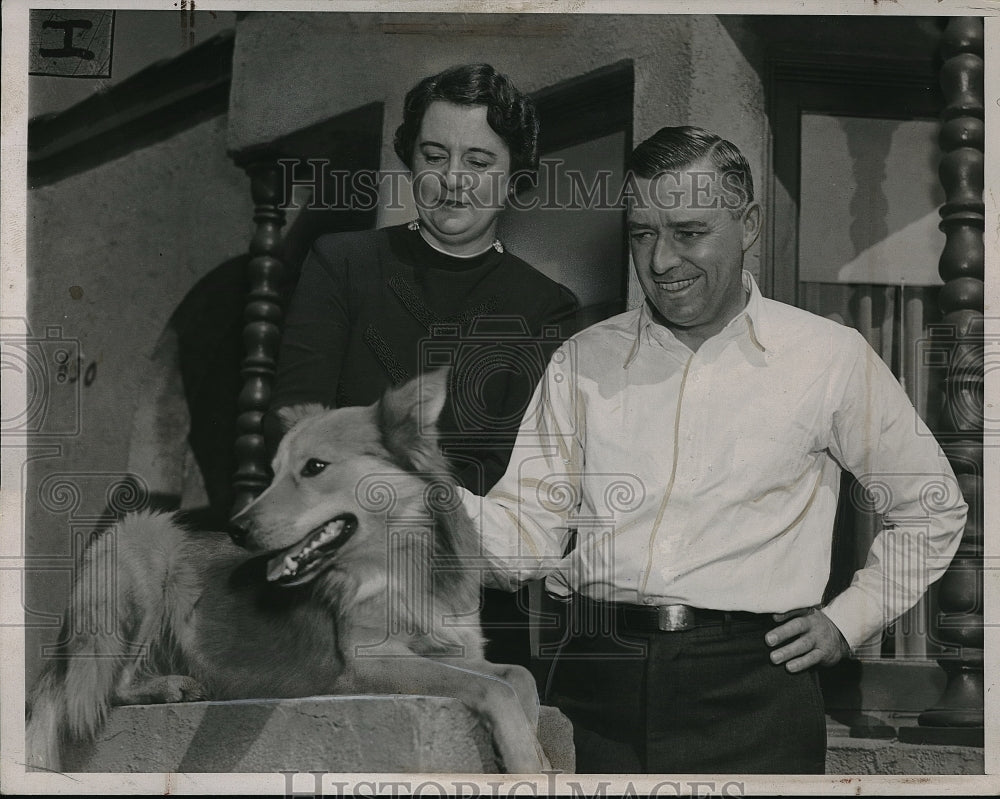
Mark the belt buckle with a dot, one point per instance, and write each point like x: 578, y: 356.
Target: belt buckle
x: 674, y: 618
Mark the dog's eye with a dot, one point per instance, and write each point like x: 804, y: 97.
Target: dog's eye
x: 313, y: 467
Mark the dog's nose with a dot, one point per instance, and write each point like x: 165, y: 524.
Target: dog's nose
x: 238, y: 534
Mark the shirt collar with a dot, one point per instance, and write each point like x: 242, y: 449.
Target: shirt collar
x: 752, y: 320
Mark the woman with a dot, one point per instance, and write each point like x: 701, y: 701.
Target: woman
x: 374, y: 308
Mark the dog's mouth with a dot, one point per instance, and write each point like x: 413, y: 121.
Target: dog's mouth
x: 301, y: 562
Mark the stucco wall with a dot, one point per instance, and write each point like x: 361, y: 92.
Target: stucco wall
x: 727, y: 96
x: 291, y: 70
x: 111, y: 253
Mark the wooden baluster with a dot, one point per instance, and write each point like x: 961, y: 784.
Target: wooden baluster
x: 261, y: 334
x: 959, y: 620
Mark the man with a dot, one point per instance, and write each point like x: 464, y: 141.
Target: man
x: 677, y: 477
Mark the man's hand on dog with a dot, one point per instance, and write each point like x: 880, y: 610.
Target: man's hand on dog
x: 809, y: 638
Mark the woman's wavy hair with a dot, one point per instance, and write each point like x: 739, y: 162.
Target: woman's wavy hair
x: 510, y: 113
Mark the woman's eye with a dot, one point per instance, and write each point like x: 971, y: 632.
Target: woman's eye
x: 313, y: 467
x: 432, y: 158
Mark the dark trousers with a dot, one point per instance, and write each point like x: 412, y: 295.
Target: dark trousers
x: 704, y: 700
x: 505, y: 624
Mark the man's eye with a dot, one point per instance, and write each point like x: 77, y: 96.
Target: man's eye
x: 641, y: 235
x: 313, y: 467
x: 689, y: 234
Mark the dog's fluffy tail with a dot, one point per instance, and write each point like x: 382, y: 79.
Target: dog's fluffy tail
x: 114, y: 619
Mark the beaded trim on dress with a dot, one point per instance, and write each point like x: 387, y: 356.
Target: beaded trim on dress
x: 415, y: 225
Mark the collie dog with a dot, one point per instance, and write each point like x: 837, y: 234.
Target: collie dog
x: 354, y: 572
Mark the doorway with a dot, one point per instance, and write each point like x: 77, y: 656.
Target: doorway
x: 853, y: 237
x: 571, y: 225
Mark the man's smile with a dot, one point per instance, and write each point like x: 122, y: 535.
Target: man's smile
x: 676, y: 286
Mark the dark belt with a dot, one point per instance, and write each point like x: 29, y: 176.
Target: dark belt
x: 666, y: 618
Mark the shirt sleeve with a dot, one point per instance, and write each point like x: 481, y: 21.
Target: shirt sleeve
x: 878, y: 437
x: 316, y: 330
x: 524, y: 520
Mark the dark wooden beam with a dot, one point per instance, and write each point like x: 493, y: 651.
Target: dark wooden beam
x: 586, y: 107
x: 151, y: 106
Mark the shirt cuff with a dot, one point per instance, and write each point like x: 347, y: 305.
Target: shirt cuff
x: 495, y: 575
x: 860, y: 619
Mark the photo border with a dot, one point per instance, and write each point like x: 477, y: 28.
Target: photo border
x: 13, y: 304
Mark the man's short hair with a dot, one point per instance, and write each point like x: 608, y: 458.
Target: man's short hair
x: 672, y: 149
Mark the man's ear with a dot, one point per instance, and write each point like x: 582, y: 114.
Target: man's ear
x: 290, y: 415
x: 408, y: 416
x: 752, y: 219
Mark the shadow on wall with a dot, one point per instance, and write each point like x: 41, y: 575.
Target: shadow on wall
x: 184, y: 429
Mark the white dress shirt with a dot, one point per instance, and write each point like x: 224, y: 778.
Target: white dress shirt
x: 711, y: 478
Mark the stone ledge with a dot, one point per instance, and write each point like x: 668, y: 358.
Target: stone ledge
x: 399, y: 734
x: 872, y: 756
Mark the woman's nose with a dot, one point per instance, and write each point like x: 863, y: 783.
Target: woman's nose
x: 457, y: 178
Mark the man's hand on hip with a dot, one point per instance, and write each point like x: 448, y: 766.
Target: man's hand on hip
x: 808, y: 638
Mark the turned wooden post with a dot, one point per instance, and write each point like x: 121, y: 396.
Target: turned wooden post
x: 261, y: 334
x: 959, y: 619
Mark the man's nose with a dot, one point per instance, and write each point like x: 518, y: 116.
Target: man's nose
x: 665, y: 256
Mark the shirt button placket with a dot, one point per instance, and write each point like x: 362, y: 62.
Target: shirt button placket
x: 692, y: 402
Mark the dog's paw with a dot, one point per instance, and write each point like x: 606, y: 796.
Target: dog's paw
x: 160, y: 690
x: 526, y: 762
x: 546, y: 765
x: 523, y: 683
x: 185, y: 689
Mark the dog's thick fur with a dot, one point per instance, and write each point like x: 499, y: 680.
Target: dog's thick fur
x: 383, y: 609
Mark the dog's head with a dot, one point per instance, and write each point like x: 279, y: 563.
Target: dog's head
x: 334, y: 471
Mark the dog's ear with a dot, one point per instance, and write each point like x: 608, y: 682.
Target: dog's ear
x: 290, y: 415
x: 408, y: 417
